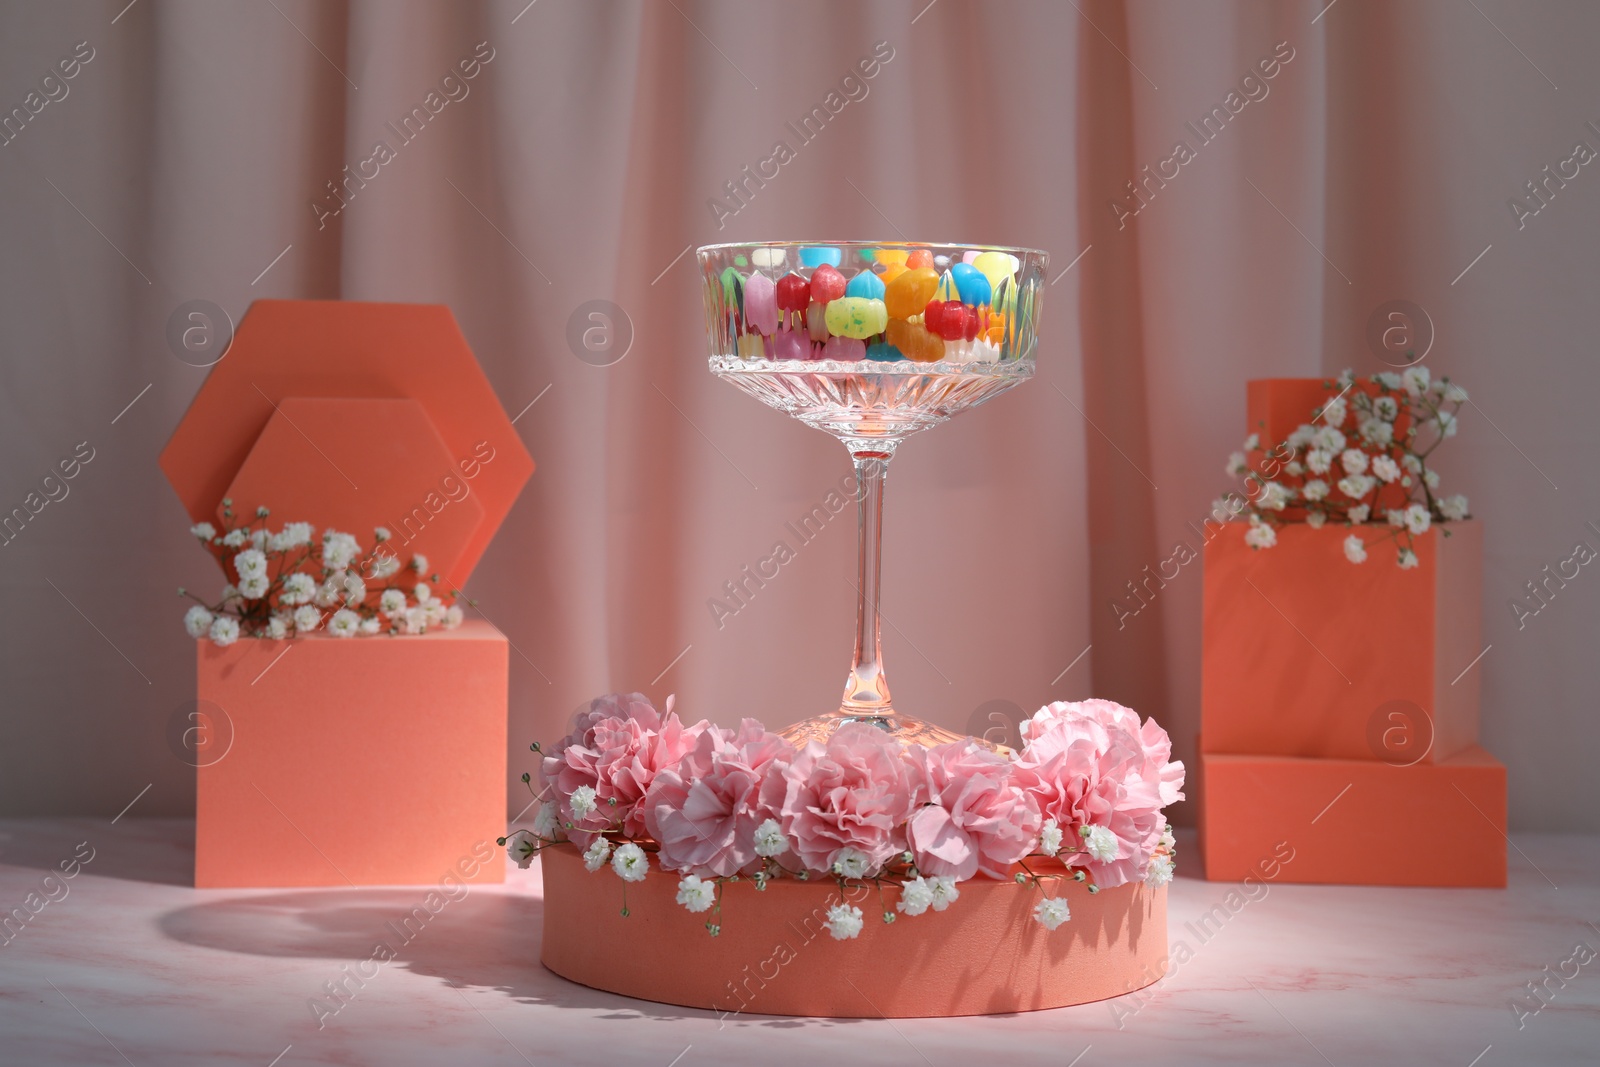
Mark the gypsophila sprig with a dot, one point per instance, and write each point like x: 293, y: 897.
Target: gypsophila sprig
x: 1364, y: 460
x: 291, y: 582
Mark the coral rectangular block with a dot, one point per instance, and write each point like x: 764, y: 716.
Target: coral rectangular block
x: 364, y: 761
x: 1307, y: 654
x: 1356, y: 822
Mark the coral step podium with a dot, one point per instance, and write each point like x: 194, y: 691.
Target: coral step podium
x: 373, y: 760
x: 1338, y: 710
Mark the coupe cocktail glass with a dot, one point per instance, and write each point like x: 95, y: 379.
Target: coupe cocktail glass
x: 871, y: 342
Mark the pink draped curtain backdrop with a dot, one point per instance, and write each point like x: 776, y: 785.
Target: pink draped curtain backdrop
x: 187, y: 158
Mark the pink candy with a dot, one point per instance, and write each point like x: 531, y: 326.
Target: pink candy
x: 761, y: 303
x: 790, y: 344
x: 845, y: 348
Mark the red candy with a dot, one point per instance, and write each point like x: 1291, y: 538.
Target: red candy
x: 969, y: 329
x: 921, y: 257
x: 933, y: 315
x: 951, y: 320
x: 826, y: 284
x: 794, y: 293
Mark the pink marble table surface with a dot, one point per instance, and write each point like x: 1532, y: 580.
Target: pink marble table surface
x: 131, y: 966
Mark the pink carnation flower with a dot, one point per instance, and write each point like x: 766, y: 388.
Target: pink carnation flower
x: 704, y: 812
x: 617, y: 747
x: 977, y: 818
x: 856, y: 792
x: 1093, y: 763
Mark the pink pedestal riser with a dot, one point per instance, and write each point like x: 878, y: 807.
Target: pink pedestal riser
x: 984, y: 955
x: 358, y: 761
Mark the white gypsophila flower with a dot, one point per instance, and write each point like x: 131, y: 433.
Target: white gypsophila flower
x: 307, y: 618
x: 1396, y: 517
x: 370, y: 626
x: 197, y: 621
x: 1411, y: 463
x: 203, y: 530
x: 419, y: 563
x: 630, y: 863
x: 230, y: 596
x: 250, y: 562
x: 224, y: 630
x: 293, y: 535
x: 582, y: 801
x: 392, y: 602
x: 380, y: 534
x: 259, y: 540
x: 1051, y: 912
x: 422, y: 592
x: 1252, y: 442
x: 1237, y: 464
x: 434, y: 611
x: 338, y: 550
x: 1386, y: 408
x: 597, y: 855
x: 520, y: 846
x: 1415, y: 380
x: 916, y: 896
x: 1159, y: 873
x: 1356, y: 486
x: 1418, y: 520
x: 1315, y: 519
x: 1273, y: 497
x: 355, y: 590
x: 414, y: 621
x: 297, y: 589
x: 944, y: 892
x: 385, y: 565
x: 1408, y: 559
x: 1377, y: 432
x: 696, y: 894
x: 1387, y: 379
x: 235, y: 538
x: 454, y: 617
x: 1447, y: 423
x: 1359, y: 513
x: 278, y: 627
x: 1050, y: 838
x: 1318, y: 461
x: 1346, y: 379
x: 1430, y: 479
x: 1295, y: 467
x: 1353, y: 460
x: 769, y: 839
x: 1302, y: 436
x: 1260, y: 535
x: 344, y: 623
x: 1386, y: 469
x: 850, y: 863
x: 1315, y: 489
x: 1453, y: 393
x: 1453, y: 508
x: 1334, y: 412
x: 1101, y: 844
x: 1168, y: 842
x: 327, y: 594
x: 544, y: 821
x: 1355, y: 549
x: 254, y: 587
x: 844, y: 922
x: 1330, y: 440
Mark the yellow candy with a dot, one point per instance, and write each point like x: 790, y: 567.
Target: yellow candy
x: 996, y: 266
x: 891, y: 272
x: 891, y: 256
x: 908, y: 294
x: 856, y: 316
x: 947, y: 289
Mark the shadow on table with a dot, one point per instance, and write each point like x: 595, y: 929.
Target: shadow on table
x: 160, y: 851
x: 484, y: 940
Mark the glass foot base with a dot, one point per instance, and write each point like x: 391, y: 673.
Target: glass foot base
x: 903, y: 728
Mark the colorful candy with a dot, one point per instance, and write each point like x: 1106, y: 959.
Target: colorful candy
x: 817, y: 322
x: 855, y: 316
x: 914, y: 341
x: 793, y: 292
x: 817, y: 255
x: 826, y: 284
x: 768, y: 258
x: 996, y: 266
x: 761, y: 303
x: 847, y: 349
x: 866, y: 284
x: 789, y: 344
x: 884, y: 353
x: 908, y: 294
x: 919, y: 258
x: 971, y: 285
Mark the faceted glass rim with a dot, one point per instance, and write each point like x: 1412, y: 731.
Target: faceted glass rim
x: 910, y: 245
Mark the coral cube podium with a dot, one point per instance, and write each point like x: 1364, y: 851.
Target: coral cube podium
x: 1337, y: 696
x: 373, y: 761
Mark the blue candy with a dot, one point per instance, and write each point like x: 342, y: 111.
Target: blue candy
x: 970, y: 284
x: 884, y: 353
x: 865, y: 284
x: 817, y: 255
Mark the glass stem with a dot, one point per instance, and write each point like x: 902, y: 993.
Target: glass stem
x: 866, y: 691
